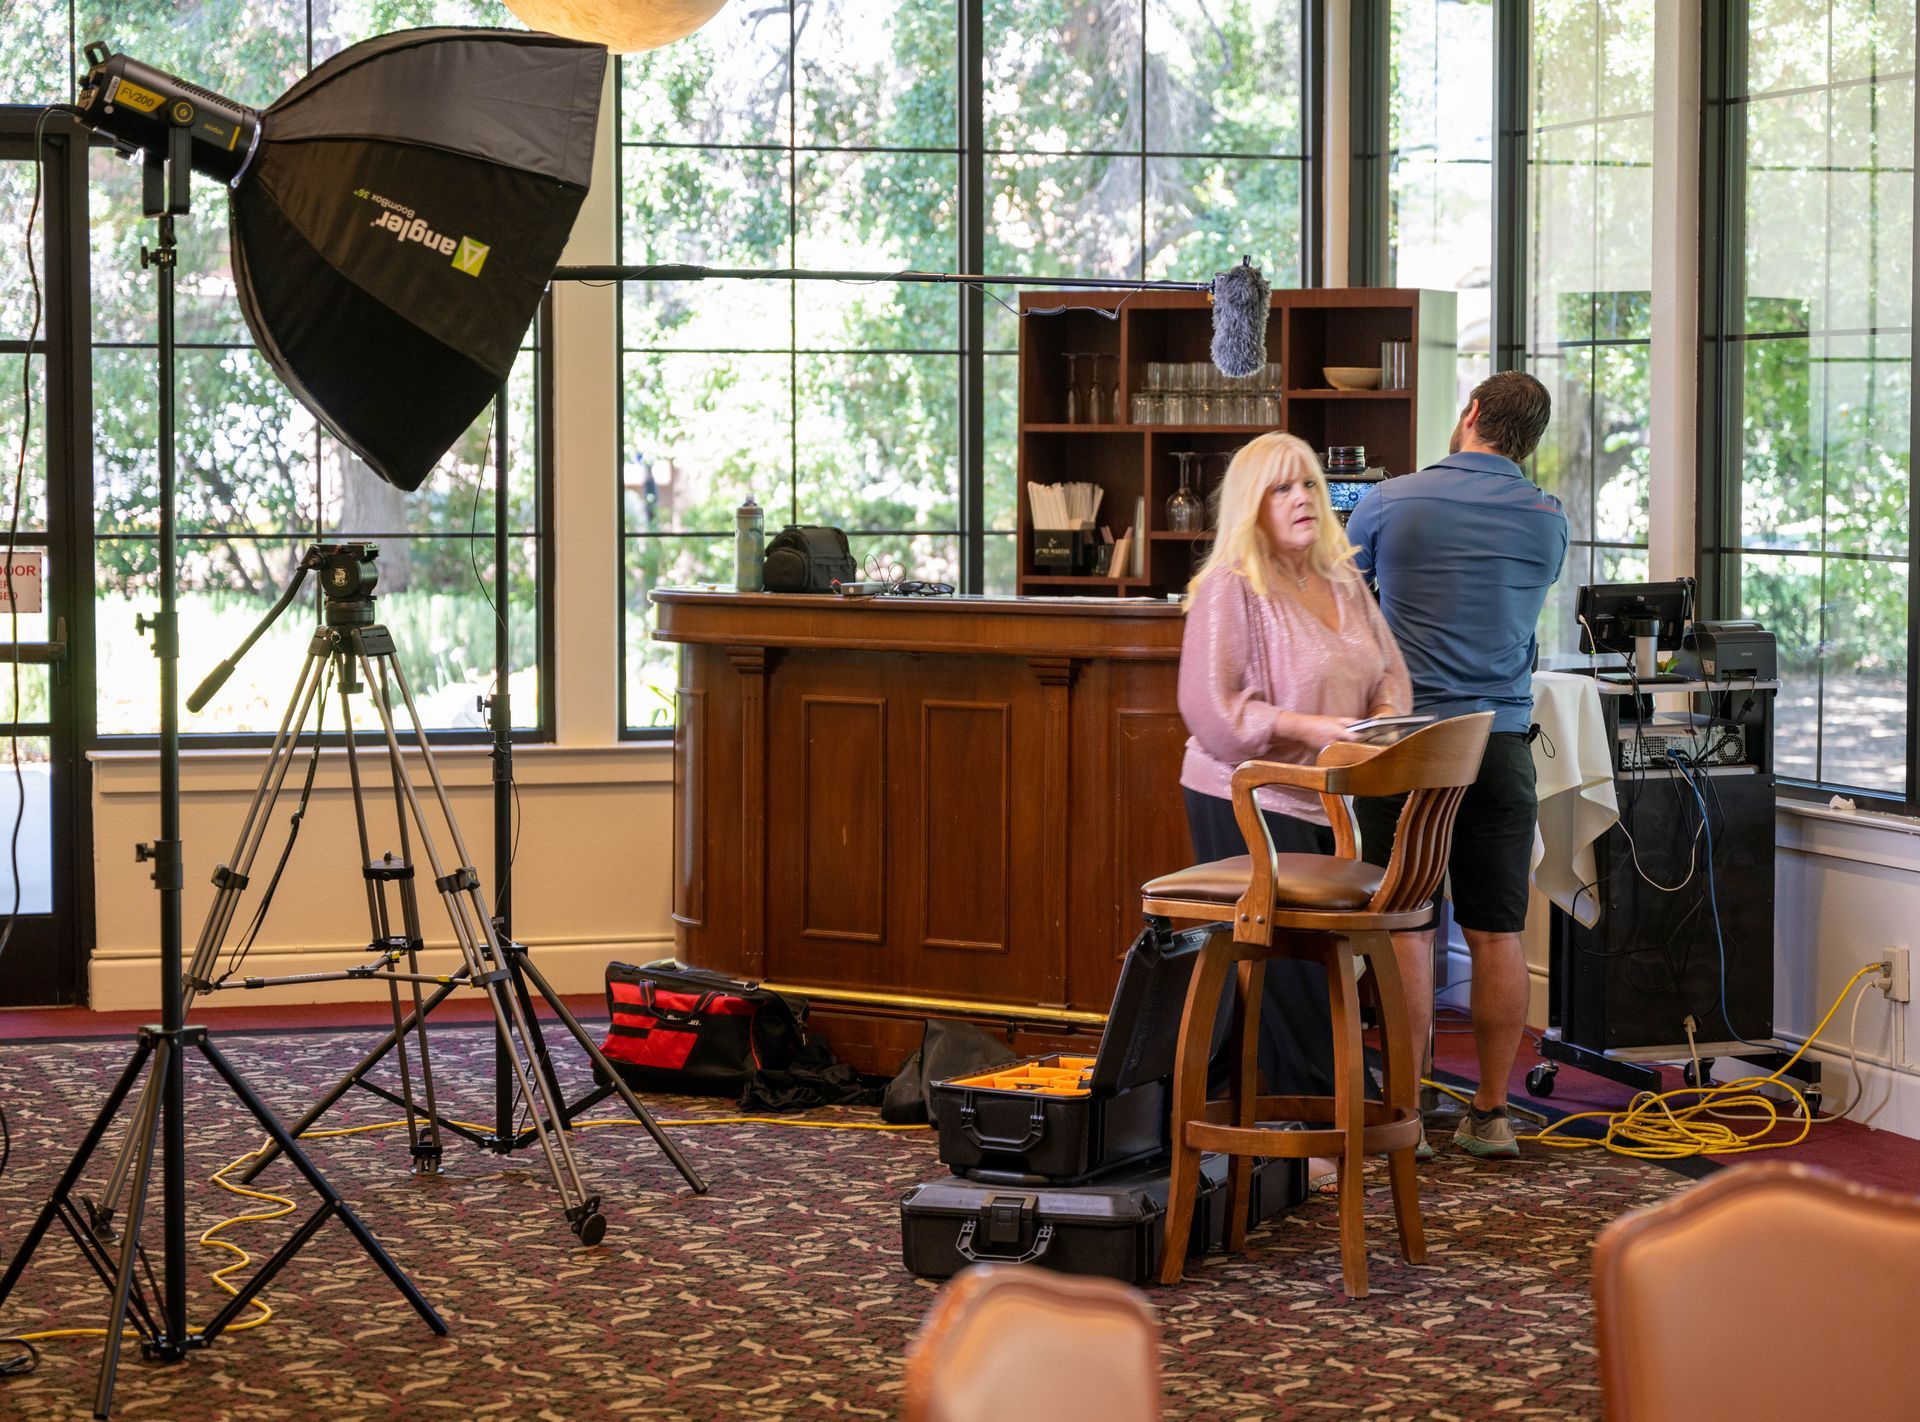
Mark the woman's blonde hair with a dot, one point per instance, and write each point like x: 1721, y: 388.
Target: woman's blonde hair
x: 1241, y: 545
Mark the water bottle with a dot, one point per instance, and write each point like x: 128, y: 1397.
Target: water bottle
x: 749, y: 546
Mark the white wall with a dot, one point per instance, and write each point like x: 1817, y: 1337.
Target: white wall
x: 591, y: 879
x: 1847, y: 889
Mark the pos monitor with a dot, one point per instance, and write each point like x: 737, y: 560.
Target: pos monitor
x: 1635, y: 620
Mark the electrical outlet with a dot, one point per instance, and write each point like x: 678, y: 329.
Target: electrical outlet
x: 1896, y: 975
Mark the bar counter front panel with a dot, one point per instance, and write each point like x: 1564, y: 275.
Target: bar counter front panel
x: 917, y: 807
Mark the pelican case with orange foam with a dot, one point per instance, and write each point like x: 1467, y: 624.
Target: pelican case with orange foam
x: 1063, y: 1119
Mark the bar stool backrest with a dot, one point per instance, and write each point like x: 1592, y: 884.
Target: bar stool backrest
x: 1433, y: 767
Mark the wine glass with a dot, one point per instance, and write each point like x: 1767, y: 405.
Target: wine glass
x: 1186, y: 511
x: 1073, y: 387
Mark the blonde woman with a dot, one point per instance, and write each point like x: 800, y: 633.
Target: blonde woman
x: 1284, y: 649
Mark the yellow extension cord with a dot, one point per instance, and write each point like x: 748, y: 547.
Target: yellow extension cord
x: 1652, y: 1127
x: 211, y: 1238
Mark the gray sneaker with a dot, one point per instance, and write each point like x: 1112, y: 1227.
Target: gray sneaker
x: 1486, y: 1133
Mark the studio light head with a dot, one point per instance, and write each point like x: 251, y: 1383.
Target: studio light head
x: 138, y: 107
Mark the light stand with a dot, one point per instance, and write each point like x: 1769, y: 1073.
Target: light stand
x: 157, y: 1308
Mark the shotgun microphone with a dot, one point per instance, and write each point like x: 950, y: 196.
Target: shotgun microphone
x: 1240, y: 301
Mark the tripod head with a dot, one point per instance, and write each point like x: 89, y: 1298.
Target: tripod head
x: 347, y: 581
x: 347, y: 578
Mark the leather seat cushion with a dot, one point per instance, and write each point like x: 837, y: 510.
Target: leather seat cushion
x: 1308, y: 881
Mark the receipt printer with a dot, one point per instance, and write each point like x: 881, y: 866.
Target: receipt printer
x: 1727, y: 651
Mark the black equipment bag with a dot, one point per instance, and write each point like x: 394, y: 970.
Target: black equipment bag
x: 807, y: 558
x: 947, y: 1049
x: 697, y: 1032
x: 1009, y: 1134
x: 1116, y: 1229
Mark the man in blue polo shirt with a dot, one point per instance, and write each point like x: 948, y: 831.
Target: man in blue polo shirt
x: 1463, y: 553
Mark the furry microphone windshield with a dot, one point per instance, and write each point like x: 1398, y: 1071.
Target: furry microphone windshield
x: 1239, y: 298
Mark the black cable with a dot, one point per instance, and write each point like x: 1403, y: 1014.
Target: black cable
x: 13, y: 522
x: 21, y: 1366
x: 1719, y: 937
x: 16, y: 1367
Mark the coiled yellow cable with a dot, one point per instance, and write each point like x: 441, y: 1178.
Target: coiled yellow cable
x: 1654, y: 1127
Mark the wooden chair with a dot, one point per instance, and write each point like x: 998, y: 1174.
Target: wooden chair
x: 1328, y: 910
x: 1011, y: 1343
x: 1694, y: 1297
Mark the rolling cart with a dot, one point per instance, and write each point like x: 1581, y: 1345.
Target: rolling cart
x: 1684, y: 884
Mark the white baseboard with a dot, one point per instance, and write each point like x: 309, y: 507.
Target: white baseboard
x: 1889, y: 1095
x: 131, y: 982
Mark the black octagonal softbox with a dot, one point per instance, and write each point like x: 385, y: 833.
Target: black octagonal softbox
x: 396, y: 216
x: 393, y: 236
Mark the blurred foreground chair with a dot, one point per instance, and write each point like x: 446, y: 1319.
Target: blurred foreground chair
x: 1326, y: 909
x: 1011, y: 1343
x: 1694, y: 1297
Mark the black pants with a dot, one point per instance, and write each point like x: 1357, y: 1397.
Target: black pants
x: 1296, y: 1024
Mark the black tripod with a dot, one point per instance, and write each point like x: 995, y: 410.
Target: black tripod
x: 156, y: 1306
x: 358, y: 654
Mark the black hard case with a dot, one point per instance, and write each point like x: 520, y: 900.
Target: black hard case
x: 1116, y: 1229
x: 1019, y: 1137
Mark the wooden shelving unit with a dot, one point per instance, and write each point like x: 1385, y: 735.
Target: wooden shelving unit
x: 1308, y: 330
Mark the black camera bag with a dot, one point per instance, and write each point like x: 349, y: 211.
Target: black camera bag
x: 808, y: 558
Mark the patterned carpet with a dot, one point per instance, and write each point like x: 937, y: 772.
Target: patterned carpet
x: 779, y: 1294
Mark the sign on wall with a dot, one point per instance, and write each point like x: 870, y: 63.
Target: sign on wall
x: 20, y: 588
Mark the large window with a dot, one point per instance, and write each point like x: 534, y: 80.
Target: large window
x: 1162, y: 139
x: 1811, y: 529
x: 1440, y: 164
x: 1589, y: 256
x: 259, y: 479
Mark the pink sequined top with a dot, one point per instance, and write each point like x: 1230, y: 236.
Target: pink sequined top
x: 1252, y: 666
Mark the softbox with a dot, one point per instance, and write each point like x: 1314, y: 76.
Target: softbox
x: 394, y: 231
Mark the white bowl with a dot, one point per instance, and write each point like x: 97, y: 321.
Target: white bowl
x: 1352, y: 377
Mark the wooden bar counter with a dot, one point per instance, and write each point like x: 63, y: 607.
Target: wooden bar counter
x: 915, y: 807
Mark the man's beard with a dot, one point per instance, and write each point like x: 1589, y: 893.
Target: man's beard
x: 1453, y: 440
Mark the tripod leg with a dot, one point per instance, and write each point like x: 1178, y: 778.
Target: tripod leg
x: 70, y: 1177
x: 123, y: 1283
x: 581, y: 1209
x: 420, y: 1029
x: 426, y: 1159
x: 319, y: 1183
x: 346, y: 1083
x: 479, y: 945
x: 613, y: 1077
x: 377, y: 875
x: 542, y: 1059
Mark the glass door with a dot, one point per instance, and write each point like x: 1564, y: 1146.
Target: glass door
x: 46, y: 907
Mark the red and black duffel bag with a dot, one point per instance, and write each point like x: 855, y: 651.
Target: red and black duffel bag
x: 697, y: 1032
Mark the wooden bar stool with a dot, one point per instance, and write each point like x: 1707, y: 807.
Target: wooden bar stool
x: 1327, y: 909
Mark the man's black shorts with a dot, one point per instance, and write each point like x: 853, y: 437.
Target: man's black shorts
x: 1492, y: 838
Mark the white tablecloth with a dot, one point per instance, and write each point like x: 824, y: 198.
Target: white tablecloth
x: 1573, y: 771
